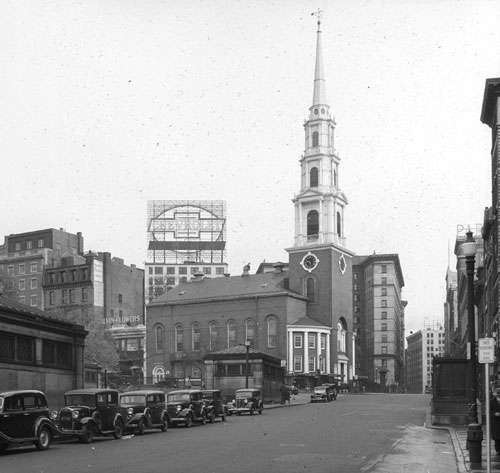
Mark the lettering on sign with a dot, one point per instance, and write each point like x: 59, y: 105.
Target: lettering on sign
x: 486, y: 350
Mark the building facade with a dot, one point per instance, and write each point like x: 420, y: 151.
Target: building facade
x: 23, y: 257
x: 39, y: 351
x: 184, y: 237
x: 490, y: 114
x: 99, y: 288
x: 379, y: 324
x: 423, y: 346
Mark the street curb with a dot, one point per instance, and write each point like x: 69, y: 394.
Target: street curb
x: 459, y: 454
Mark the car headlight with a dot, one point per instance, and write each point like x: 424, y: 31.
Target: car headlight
x: 54, y: 415
x: 75, y: 414
x: 179, y: 408
x: 130, y: 411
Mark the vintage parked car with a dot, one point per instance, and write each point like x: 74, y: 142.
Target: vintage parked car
x: 214, y: 404
x: 331, y: 391
x: 25, y: 417
x: 144, y: 410
x: 90, y: 413
x: 186, y: 406
x: 319, y: 394
x: 246, y: 400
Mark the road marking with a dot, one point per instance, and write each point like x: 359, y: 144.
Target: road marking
x: 349, y: 413
x: 292, y: 444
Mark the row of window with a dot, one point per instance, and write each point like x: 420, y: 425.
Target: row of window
x: 157, y: 270
x: 215, y: 333
x: 311, y: 341
x: 33, y: 300
x: 17, y: 348
x: 68, y: 296
x: 33, y: 284
x: 72, y: 275
x: 21, y: 268
x: 298, y: 364
x: 29, y: 244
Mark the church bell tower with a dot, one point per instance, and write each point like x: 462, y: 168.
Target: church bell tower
x: 320, y: 264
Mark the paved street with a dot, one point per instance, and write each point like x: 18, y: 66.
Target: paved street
x: 368, y: 433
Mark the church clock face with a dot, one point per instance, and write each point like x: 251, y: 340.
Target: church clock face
x: 309, y: 262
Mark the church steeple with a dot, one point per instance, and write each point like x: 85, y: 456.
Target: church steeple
x: 320, y: 204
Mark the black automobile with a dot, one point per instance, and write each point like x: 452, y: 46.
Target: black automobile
x: 144, y: 410
x: 91, y: 413
x: 215, y: 404
x: 25, y: 417
x: 186, y: 406
x: 246, y: 400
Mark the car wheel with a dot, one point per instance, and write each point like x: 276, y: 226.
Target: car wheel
x: 140, y: 427
x: 44, y: 439
x: 189, y: 421
x: 164, y: 424
x: 87, y: 434
x: 117, y: 434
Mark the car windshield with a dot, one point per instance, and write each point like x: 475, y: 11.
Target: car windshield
x: 79, y: 400
x: 178, y: 397
x: 133, y: 399
x: 319, y: 390
x: 1, y: 402
x: 244, y: 394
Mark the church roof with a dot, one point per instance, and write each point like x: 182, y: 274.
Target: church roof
x: 236, y: 350
x: 264, y: 284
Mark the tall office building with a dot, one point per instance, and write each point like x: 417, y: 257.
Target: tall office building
x: 377, y: 281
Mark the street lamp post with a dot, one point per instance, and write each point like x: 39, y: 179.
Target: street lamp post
x: 469, y: 251
x: 474, y: 431
x: 247, y: 346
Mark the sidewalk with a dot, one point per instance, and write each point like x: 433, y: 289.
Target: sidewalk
x: 459, y: 438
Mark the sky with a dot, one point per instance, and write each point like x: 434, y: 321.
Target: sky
x: 110, y: 103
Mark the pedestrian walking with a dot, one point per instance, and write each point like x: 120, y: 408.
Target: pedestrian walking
x: 284, y: 392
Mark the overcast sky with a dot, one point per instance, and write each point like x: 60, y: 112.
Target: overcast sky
x: 110, y: 103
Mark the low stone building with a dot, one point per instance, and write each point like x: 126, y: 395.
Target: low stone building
x: 38, y: 351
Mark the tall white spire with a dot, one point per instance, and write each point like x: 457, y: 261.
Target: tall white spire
x: 319, y: 96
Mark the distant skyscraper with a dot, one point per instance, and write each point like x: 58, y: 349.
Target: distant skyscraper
x: 379, y: 318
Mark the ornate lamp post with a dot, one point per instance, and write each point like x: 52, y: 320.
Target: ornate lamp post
x: 469, y: 248
x: 474, y: 431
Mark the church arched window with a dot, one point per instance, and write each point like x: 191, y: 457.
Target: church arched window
x: 315, y: 142
x: 272, y: 332
x: 179, y: 338
x: 312, y: 225
x: 250, y: 331
x: 311, y: 290
x: 212, y: 328
x: 195, y: 336
x: 231, y: 333
x: 313, y: 177
x: 159, y: 338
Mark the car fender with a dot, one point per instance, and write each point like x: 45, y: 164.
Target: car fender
x: 136, y: 418
x: 118, y: 416
x: 43, y: 421
x: 185, y: 412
